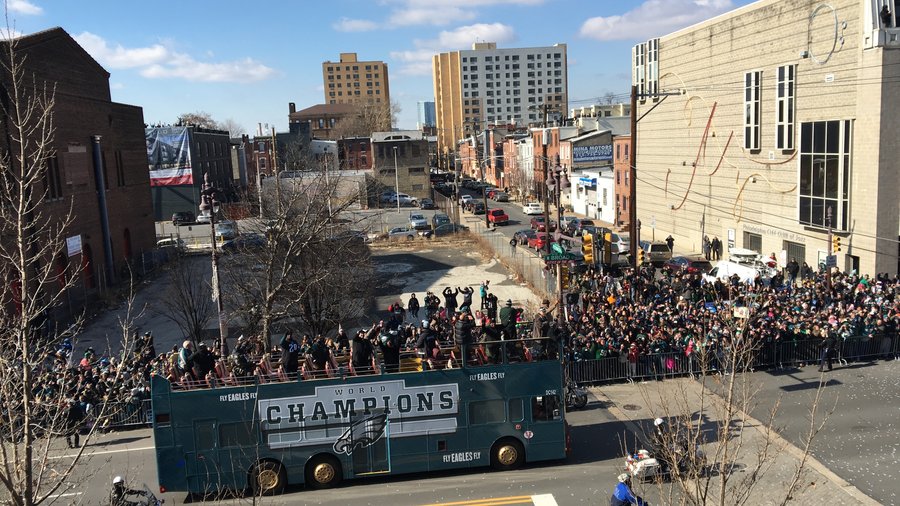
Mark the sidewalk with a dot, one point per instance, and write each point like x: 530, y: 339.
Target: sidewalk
x: 638, y: 404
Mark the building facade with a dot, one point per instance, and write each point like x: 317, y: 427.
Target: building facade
x: 780, y: 149
x: 98, y: 149
x: 487, y: 85
x: 355, y: 153
x: 323, y: 119
x: 350, y: 81
x: 425, y: 116
x: 601, y: 111
x: 401, y: 163
x: 622, y: 166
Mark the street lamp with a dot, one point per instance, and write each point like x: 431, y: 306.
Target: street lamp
x: 209, y: 204
x: 396, y: 181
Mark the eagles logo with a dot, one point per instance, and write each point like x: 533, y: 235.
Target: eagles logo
x: 367, y: 431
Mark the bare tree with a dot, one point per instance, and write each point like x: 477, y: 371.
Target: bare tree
x: 201, y: 119
x: 712, y: 415
x: 609, y: 97
x: 233, y: 128
x: 302, y: 269
x: 34, y: 381
x: 368, y: 118
x: 188, y: 296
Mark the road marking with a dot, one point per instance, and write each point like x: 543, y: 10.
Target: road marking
x: 105, y: 452
x: 67, y: 494
x: 544, y: 500
x: 536, y: 500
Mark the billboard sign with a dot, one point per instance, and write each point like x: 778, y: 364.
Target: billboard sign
x: 597, y: 153
x: 169, y: 156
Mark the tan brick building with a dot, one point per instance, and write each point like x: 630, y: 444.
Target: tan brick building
x: 787, y: 114
x: 411, y: 163
x: 350, y: 81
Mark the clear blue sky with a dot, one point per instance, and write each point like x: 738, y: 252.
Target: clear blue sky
x: 246, y: 61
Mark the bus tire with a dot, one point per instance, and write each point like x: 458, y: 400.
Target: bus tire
x: 507, y: 454
x: 323, y: 471
x: 268, y: 478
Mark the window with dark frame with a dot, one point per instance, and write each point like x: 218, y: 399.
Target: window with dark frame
x: 752, y: 109
x: 825, y: 155
x: 786, y: 91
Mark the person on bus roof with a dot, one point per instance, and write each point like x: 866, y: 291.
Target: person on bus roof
x: 362, y: 353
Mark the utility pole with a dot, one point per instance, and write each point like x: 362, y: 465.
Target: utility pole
x: 830, y: 248
x: 632, y: 183
x: 275, y: 170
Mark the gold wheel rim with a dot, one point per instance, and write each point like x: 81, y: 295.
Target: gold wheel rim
x: 323, y: 473
x: 507, y: 455
x: 267, y: 479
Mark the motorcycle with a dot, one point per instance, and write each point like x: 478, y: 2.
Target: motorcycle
x: 576, y: 397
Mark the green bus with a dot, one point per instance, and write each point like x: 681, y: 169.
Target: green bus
x: 264, y: 437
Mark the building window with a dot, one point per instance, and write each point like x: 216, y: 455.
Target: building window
x: 825, y: 173
x: 52, y: 179
x: 753, y: 241
x: 786, y: 90
x: 653, y: 67
x: 120, y: 169
x: 752, y: 108
x: 638, y: 77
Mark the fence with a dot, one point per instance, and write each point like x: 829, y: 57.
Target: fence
x: 520, y: 259
x: 767, y: 356
x: 122, y: 415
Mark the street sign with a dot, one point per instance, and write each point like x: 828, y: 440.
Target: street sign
x: 831, y: 261
x: 554, y: 258
x: 557, y: 248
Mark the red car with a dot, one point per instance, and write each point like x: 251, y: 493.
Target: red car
x: 689, y: 264
x: 537, y: 223
x: 539, y: 241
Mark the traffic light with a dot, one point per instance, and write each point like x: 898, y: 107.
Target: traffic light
x: 640, y: 258
x: 835, y: 244
x: 587, y: 248
x: 607, y: 248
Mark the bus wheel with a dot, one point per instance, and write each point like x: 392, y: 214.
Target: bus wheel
x: 323, y: 471
x: 268, y: 478
x: 507, y: 454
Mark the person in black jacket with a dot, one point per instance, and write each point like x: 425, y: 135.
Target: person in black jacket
x: 74, y: 418
x: 413, y: 306
x: 450, y: 299
x: 203, y: 361
x: 826, y: 349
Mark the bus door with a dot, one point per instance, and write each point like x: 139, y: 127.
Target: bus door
x: 370, y: 434
x: 201, y: 463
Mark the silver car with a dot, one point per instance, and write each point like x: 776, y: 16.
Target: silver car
x: 418, y: 221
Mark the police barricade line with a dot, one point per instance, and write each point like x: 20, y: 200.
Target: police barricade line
x: 126, y: 414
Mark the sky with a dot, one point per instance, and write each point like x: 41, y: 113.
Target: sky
x: 245, y: 62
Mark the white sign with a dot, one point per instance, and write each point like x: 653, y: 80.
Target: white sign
x: 73, y: 245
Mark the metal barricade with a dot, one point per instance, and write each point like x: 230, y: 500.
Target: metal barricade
x: 120, y: 415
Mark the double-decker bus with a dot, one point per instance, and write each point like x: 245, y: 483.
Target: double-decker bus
x: 264, y: 437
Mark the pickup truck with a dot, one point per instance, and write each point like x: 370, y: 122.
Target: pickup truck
x: 497, y: 217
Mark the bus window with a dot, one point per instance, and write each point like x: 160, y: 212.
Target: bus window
x: 545, y: 408
x: 516, y: 410
x: 481, y: 412
x: 205, y: 435
x: 236, y: 434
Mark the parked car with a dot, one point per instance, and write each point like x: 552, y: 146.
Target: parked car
x: 656, y: 252
x: 399, y: 233
x: 426, y: 204
x: 204, y: 218
x: 244, y: 242
x: 689, y: 264
x: 539, y: 241
x: 417, y: 221
x: 447, y: 229
x: 405, y: 200
x: 439, y: 219
x: 523, y: 235
x: 387, y: 196
x: 500, y: 196
x: 533, y: 208
x: 622, y: 241
x: 498, y: 217
x: 587, y: 222
x: 477, y: 207
x: 183, y: 218
x: 171, y: 243
x: 226, y: 230
x: 538, y: 224
x: 464, y: 199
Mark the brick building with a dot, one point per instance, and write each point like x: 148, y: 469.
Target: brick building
x: 93, y: 135
x: 411, y: 162
x: 355, y: 153
x: 621, y: 167
x: 350, y: 81
x: 322, y: 119
x: 800, y: 101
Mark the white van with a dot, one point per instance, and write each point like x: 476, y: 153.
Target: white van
x: 724, y: 269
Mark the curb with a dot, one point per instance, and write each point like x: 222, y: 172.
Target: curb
x: 811, y: 461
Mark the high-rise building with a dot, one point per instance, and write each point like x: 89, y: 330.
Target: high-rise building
x: 426, y: 115
x: 355, y: 82
x: 487, y: 85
